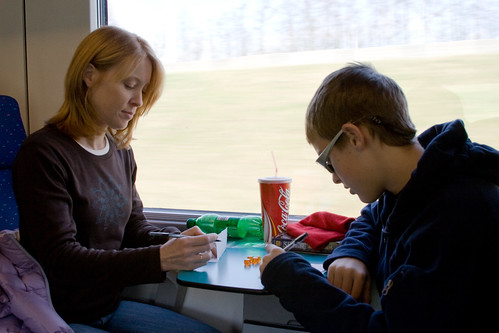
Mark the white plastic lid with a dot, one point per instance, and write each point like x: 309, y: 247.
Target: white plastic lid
x: 274, y: 180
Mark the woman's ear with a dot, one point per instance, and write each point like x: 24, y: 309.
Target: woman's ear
x: 356, y: 135
x: 89, y: 76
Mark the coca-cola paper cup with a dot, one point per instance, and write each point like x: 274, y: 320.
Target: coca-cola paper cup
x: 275, y: 194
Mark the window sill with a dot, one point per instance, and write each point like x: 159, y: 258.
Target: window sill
x: 178, y: 217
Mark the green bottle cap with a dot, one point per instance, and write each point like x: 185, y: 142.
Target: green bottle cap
x: 191, y: 223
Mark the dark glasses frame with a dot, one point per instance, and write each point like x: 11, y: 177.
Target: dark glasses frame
x: 323, y: 158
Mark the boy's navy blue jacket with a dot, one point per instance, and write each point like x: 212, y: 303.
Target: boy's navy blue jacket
x: 433, y: 250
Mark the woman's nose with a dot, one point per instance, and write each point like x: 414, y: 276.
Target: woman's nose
x: 137, y: 99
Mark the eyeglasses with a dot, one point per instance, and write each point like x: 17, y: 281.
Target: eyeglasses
x: 323, y: 158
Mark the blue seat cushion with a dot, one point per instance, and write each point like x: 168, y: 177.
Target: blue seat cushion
x: 9, y: 217
x: 12, y: 132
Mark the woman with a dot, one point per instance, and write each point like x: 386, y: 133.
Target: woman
x: 80, y: 214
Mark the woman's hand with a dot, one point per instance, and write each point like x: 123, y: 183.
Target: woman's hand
x: 188, y: 253
x: 352, y: 276
x: 273, y: 251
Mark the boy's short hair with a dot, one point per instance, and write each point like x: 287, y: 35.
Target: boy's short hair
x: 360, y: 95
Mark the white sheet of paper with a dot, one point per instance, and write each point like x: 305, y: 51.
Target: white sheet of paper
x: 319, y: 267
x: 222, y: 236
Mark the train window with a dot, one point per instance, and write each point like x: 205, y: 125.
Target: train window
x: 240, y: 75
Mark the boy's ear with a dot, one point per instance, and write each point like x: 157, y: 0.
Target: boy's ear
x: 89, y: 75
x: 355, y: 134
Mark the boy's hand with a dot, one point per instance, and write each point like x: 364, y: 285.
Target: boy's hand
x: 273, y: 251
x: 352, y: 276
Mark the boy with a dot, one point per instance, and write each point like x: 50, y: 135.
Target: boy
x: 429, y: 235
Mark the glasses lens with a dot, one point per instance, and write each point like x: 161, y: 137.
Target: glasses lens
x: 329, y: 166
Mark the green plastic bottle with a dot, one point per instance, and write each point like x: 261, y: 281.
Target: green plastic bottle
x: 255, y: 226
x: 237, y: 227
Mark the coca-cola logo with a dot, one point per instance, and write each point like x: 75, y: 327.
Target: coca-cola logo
x: 284, y: 205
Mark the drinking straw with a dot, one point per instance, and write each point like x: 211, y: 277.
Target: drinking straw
x: 275, y: 164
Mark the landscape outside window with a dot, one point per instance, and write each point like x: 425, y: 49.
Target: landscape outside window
x: 240, y: 75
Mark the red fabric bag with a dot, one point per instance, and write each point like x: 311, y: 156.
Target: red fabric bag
x: 322, y: 228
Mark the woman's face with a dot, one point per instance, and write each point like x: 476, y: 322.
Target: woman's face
x: 116, y: 101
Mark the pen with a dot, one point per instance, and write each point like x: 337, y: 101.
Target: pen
x: 294, y: 241
x: 170, y: 235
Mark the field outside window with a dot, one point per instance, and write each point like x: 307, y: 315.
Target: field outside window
x: 240, y: 75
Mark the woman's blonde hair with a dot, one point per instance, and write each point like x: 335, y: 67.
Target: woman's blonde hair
x: 105, y: 48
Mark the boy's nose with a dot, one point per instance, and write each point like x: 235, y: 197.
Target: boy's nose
x: 336, y: 179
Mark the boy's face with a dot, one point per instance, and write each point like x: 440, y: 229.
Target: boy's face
x: 354, y: 164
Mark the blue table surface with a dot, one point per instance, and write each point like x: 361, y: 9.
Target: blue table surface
x: 229, y: 272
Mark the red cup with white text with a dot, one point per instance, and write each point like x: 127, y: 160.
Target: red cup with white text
x: 275, y: 195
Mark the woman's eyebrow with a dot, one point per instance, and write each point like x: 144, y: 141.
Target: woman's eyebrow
x: 136, y: 80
